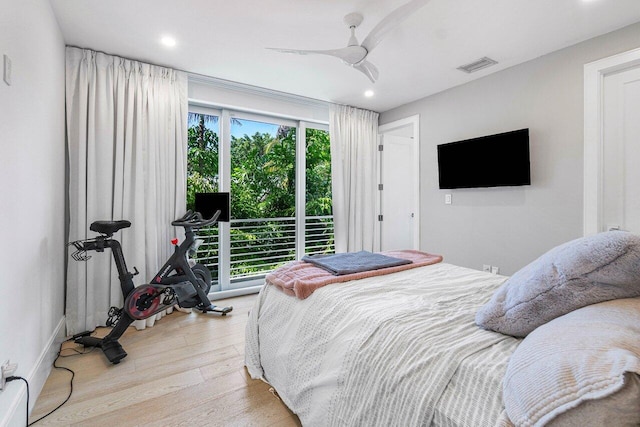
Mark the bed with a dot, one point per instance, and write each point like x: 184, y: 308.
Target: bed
x: 404, y: 349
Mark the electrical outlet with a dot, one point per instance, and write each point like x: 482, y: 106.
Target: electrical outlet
x: 495, y: 270
x: 486, y: 267
x: 6, y: 370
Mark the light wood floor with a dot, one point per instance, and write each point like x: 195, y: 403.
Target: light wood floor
x: 188, y: 369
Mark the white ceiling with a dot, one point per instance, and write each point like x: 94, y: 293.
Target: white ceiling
x: 227, y: 39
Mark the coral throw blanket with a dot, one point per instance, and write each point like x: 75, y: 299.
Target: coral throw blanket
x: 301, y: 278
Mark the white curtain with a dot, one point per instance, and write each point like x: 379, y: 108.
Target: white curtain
x: 127, y: 142
x: 354, y: 168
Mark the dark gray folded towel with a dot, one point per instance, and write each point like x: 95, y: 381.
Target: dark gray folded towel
x: 354, y: 262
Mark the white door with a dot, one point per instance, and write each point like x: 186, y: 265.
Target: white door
x: 612, y: 143
x: 399, y: 194
x: 621, y: 151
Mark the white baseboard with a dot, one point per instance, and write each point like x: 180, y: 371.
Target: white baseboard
x: 37, y: 377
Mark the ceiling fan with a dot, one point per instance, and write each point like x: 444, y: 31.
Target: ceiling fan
x: 355, y: 55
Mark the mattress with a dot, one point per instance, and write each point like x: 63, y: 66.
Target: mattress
x: 394, y: 350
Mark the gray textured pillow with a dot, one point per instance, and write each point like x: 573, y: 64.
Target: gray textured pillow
x: 579, y: 369
x: 584, y: 271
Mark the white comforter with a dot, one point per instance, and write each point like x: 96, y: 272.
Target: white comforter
x: 395, y: 350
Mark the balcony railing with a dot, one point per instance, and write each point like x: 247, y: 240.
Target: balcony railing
x: 260, y: 245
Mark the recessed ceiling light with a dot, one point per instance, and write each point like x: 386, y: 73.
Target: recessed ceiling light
x: 368, y: 93
x: 168, y: 41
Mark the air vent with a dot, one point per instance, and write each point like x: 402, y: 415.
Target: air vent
x: 477, y: 65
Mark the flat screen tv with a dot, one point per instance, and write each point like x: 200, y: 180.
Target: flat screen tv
x: 499, y: 160
x: 208, y: 203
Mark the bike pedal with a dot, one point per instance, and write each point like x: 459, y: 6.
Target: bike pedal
x: 168, y: 296
x: 114, y: 315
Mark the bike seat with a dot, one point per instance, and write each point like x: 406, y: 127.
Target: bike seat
x: 109, y: 227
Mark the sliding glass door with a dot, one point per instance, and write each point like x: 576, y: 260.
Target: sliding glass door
x: 278, y: 174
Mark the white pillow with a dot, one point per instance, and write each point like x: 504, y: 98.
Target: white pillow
x: 584, y: 271
x: 577, y: 360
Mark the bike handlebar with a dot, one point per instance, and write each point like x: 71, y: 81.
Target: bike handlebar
x: 194, y: 220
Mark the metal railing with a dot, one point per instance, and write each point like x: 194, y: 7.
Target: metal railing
x: 260, y: 245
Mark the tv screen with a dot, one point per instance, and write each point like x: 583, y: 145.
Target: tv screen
x: 208, y: 203
x: 490, y: 161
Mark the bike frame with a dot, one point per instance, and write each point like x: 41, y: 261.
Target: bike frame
x: 179, y: 264
x: 176, y: 273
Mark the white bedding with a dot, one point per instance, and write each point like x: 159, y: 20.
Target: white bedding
x: 395, y: 350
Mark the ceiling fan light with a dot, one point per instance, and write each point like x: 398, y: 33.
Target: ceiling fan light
x: 368, y: 93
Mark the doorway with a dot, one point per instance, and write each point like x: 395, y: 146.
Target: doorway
x: 612, y: 99
x: 399, y: 188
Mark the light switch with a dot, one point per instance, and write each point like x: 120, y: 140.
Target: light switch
x: 447, y: 199
x: 7, y: 70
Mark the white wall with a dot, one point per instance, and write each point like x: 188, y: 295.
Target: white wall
x: 32, y: 197
x: 510, y: 227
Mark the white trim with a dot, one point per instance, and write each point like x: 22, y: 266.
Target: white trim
x: 236, y: 108
x: 301, y: 188
x: 413, y: 121
x: 206, y: 110
x: 262, y: 118
x: 377, y: 245
x: 224, y: 174
x: 235, y: 292
x: 316, y: 125
x: 594, y: 74
x: 256, y: 90
x: 36, y: 378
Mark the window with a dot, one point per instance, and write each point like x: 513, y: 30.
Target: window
x: 278, y: 174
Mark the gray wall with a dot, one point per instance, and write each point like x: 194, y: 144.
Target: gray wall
x: 32, y: 198
x: 510, y: 227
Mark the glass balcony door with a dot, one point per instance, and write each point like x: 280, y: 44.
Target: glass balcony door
x: 278, y: 174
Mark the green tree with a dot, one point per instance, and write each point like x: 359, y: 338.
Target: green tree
x: 202, y: 157
x: 318, y: 172
x: 263, y: 175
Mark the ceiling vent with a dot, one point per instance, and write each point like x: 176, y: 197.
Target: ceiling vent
x: 477, y: 65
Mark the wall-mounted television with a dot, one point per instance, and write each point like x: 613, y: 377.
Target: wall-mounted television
x: 208, y: 203
x: 499, y: 160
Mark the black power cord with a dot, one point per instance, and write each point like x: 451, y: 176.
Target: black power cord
x: 13, y: 378
x: 73, y: 374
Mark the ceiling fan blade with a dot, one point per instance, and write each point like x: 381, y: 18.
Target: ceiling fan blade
x: 391, y: 21
x: 338, y: 53
x: 350, y: 54
x: 368, y: 69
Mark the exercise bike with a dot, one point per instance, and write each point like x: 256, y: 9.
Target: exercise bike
x: 180, y: 281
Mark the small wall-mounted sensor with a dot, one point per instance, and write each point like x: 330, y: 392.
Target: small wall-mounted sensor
x: 7, y: 70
